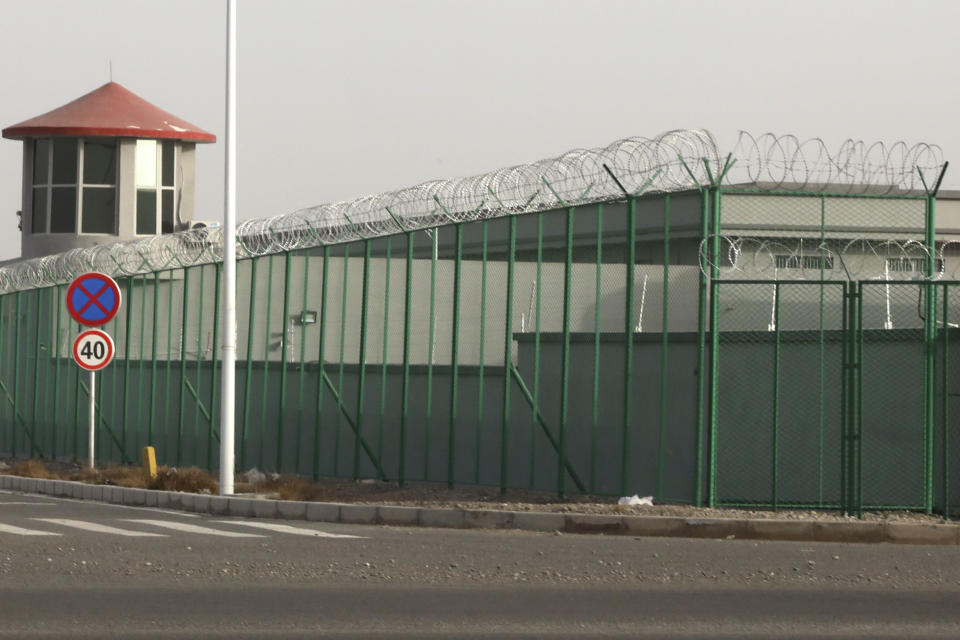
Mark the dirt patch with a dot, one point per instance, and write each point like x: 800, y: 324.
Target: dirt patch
x: 417, y: 494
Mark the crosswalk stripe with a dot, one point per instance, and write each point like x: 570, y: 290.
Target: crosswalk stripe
x: 20, y: 531
x: 192, y: 528
x: 285, y: 528
x: 100, y: 528
x: 31, y: 504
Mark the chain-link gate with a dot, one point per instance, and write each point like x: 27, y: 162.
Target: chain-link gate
x: 779, y: 384
x: 836, y: 395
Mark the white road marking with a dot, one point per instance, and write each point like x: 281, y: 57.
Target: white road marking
x: 100, y: 528
x: 19, y: 531
x: 285, y: 528
x: 97, y: 503
x: 192, y: 528
x: 32, y: 504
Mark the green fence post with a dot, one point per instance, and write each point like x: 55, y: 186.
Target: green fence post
x: 428, y: 422
x: 183, y: 363
x: 930, y: 324
x: 483, y: 350
x: 776, y: 393
x: 320, y: 358
x: 114, y: 399
x: 2, y: 339
x: 595, y: 414
x: 945, y: 397
x: 55, y: 351
x: 128, y: 316
x: 76, y: 411
x: 140, y: 376
x: 362, y: 375
x: 248, y: 381
x: 823, y: 257
x: 214, y: 390
x: 36, y: 363
x: 454, y: 353
x: 343, y: 329
x: 714, y: 338
x: 664, y: 345
x: 536, y: 350
x: 405, y: 401
x: 196, y: 392
x: 266, y: 368
x: 507, y: 356
x: 631, y: 259
x: 702, y: 356
x: 284, y: 336
x: 845, y: 395
x: 169, y: 367
x: 565, y: 366
x: 16, y: 374
x: 858, y: 411
x: 385, y: 352
x: 303, y: 354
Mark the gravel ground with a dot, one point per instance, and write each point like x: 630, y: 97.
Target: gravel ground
x: 436, y: 495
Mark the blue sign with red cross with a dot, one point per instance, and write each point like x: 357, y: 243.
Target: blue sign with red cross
x: 93, y: 299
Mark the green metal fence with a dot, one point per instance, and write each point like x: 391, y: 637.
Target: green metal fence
x: 660, y: 344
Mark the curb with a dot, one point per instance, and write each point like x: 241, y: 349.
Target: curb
x: 638, y: 526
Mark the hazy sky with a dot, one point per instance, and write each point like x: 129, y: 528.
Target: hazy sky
x: 344, y: 99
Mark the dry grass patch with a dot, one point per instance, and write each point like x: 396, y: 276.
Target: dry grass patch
x: 293, y: 488
x: 116, y: 475
x: 190, y: 480
x: 33, y: 469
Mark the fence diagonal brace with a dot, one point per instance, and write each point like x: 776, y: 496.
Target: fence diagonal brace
x: 19, y: 418
x: 363, y: 441
x: 203, y: 409
x: 543, y: 426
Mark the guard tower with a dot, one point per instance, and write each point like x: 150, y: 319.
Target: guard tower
x: 107, y: 167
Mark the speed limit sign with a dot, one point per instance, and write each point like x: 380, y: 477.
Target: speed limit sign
x: 93, y: 349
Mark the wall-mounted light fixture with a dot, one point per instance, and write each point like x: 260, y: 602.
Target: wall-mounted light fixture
x: 308, y: 317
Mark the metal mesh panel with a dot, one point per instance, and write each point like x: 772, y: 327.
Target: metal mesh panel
x: 946, y: 433
x: 780, y: 406
x: 893, y: 473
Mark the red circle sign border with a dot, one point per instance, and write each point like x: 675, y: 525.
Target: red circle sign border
x: 110, y: 349
x: 110, y: 283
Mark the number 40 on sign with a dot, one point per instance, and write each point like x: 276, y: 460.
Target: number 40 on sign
x: 93, y: 349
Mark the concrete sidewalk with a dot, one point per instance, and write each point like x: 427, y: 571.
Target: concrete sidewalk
x: 631, y: 525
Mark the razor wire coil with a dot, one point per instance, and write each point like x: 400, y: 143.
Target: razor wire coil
x: 756, y: 258
x: 677, y: 160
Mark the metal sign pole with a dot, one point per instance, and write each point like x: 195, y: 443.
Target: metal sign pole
x: 93, y: 414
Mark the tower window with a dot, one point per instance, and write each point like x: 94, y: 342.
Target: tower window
x: 156, y: 187
x: 74, y: 180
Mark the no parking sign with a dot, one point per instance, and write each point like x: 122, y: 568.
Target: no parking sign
x: 93, y: 299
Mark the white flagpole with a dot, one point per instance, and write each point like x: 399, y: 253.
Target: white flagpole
x: 228, y: 379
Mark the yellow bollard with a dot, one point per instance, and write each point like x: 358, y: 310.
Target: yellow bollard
x: 149, y: 457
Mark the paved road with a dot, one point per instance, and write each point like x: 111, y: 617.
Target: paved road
x: 76, y: 569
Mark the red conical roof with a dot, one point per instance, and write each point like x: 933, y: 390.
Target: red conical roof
x: 110, y: 111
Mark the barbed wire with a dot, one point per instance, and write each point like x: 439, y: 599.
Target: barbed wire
x: 787, y: 162
x: 677, y: 160
x: 748, y: 257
